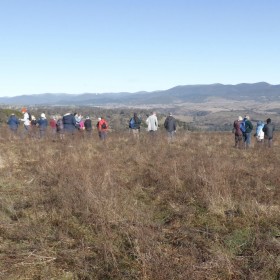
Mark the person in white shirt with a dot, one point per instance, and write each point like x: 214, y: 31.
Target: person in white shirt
x: 26, y: 121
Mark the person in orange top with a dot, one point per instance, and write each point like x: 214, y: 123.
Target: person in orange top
x: 102, y: 127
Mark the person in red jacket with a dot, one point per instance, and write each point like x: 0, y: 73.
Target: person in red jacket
x: 102, y: 127
x: 53, y: 126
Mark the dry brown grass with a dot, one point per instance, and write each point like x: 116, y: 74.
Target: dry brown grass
x: 193, y: 209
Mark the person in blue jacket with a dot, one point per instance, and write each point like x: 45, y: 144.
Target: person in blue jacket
x: 43, y: 124
x: 259, y: 132
x: 13, y: 123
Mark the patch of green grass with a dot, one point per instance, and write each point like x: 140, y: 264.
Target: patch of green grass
x: 239, y: 240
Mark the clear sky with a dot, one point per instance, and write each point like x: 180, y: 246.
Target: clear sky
x: 77, y: 46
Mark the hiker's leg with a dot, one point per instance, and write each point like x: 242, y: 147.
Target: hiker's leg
x: 270, y: 142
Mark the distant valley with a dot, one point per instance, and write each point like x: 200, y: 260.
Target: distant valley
x: 212, y: 106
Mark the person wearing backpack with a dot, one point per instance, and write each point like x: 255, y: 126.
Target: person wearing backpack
x: 248, y: 127
x: 170, y: 126
x: 134, y: 125
x: 238, y: 135
x: 268, y: 130
x: 102, y: 126
x: 69, y: 124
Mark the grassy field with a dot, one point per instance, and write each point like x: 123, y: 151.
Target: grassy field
x: 196, y: 208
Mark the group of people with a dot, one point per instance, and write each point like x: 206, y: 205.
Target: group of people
x: 152, y: 125
x: 243, y: 127
x: 68, y: 124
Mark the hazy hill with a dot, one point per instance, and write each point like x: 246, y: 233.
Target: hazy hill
x: 176, y: 95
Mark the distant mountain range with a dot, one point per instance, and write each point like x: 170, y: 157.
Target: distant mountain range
x: 262, y: 92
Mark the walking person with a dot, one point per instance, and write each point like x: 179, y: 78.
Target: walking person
x: 170, y: 126
x: 13, y: 123
x: 134, y: 125
x: 238, y: 136
x: 152, y: 123
x: 268, y: 130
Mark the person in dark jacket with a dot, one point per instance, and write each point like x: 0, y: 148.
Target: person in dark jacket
x: 247, y: 134
x: 43, y: 124
x: 170, y: 126
x: 268, y: 130
x: 134, y: 125
x: 33, y: 127
x: 88, y: 126
x: 238, y: 136
x: 13, y: 123
x: 69, y: 123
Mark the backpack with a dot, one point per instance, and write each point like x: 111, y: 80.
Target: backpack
x: 132, y: 123
x: 243, y: 126
x: 29, y: 116
x: 104, y: 126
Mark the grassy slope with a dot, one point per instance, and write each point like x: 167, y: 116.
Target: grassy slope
x: 194, y: 209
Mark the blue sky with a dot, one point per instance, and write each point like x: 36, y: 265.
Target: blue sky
x: 67, y: 46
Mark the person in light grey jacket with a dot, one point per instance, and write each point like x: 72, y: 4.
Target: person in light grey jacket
x: 152, y: 123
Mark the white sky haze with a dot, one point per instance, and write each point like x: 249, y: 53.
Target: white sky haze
x: 71, y: 46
